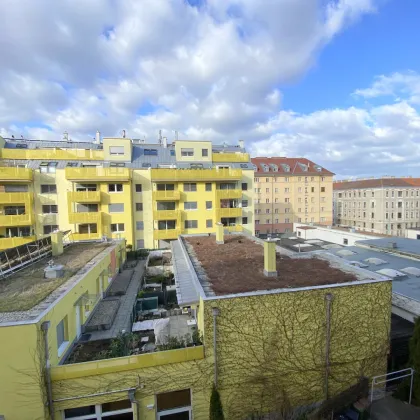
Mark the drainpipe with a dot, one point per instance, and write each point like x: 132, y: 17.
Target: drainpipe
x: 132, y: 397
x: 216, y: 313
x: 44, y: 328
x: 328, y: 299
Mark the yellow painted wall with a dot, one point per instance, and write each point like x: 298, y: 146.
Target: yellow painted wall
x: 124, y: 142
x: 197, y: 146
x: 274, y: 345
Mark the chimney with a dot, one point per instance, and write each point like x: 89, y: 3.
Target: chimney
x: 241, y: 144
x: 219, y: 234
x: 165, y: 142
x: 57, y: 243
x: 97, y: 137
x: 270, y: 269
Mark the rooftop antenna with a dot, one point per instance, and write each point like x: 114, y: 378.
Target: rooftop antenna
x: 66, y: 136
x: 13, y: 136
x: 160, y: 137
x: 176, y: 134
x: 123, y: 134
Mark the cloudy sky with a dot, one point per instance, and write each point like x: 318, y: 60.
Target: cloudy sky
x: 337, y: 81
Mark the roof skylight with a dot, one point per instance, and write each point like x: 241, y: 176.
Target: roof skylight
x: 375, y: 261
x: 390, y: 272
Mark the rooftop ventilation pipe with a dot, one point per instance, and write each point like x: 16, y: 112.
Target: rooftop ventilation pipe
x: 165, y: 142
x: 241, y: 144
x: 97, y: 137
x: 220, y: 240
x: 270, y: 269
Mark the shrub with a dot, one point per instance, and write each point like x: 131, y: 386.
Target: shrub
x: 216, y: 409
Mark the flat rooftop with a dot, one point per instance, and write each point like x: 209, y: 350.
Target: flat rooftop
x: 23, y: 294
x: 237, y: 267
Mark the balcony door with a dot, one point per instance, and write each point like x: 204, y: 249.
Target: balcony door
x: 174, y: 405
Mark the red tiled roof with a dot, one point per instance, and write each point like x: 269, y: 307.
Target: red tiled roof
x: 293, y: 163
x: 377, y: 183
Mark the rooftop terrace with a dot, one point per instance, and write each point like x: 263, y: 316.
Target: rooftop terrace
x: 237, y: 267
x: 27, y: 288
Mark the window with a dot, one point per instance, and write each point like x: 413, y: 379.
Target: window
x: 256, y: 180
x: 140, y: 243
x: 204, y: 152
x: 209, y: 223
x: 244, y: 186
x: 299, y: 200
x: 244, y: 220
x: 138, y: 188
x: 387, y: 193
x: 71, y: 164
x: 187, y: 152
x: 86, y: 187
x: 49, y: 208
x: 190, y: 186
x: 373, y: 193
x: 110, y: 410
x: 116, y: 150
x: 244, y: 203
x: 48, y: 167
x: 276, y: 210
x: 286, y: 179
x: 139, y: 225
x: 117, y: 227
x: 117, y: 165
x: 286, y: 190
x: 150, y: 152
x: 191, y: 224
x: 322, y: 208
x: 300, y: 189
x: 276, y: 190
x: 345, y: 241
x: 286, y: 220
x: 287, y: 210
x: 322, y: 199
x: 257, y: 222
x: 139, y: 206
x: 115, y: 187
x: 373, y: 225
x: 399, y: 215
x: 49, y: 189
x: 313, y: 189
x: 86, y: 208
x: 116, y: 208
x: 267, y: 190
x: 267, y: 200
x: 267, y: 211
x: 209, y: 205
x: 190, y: 205
x: 208, y: 186
x: 48, y: 229
x: 267, y: 221
x: 62, y: 336
x: 322, y: 189
x: 165, y: 205
x: 287, y: 200
x: 267, y: 179
x: 322, y: 178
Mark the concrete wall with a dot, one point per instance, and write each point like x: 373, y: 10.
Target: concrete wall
x: 330, y: 235
x: 412, y: 233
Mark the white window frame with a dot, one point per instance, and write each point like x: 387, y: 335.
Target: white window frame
x: 116, y: 150
x: 118, y: 226
x: 115, y: 186
x: 99, y: 415
x: 187, y: 151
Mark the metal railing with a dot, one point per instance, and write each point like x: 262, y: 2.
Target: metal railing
x: 15, y: 174
x: 84, y: 196
x: 193, y: 175
x: 166, y: 234
x: 98, y: 174
x: 230, y: 157
x: 166, y: 195
x: 15, y: 197
x: 85, y: 217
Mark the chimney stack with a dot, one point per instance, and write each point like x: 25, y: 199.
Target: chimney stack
x: 57, y: 243
x: 270, y: 269
x: 241, y: 144
x: 219, y: 234
x: 97, y: 137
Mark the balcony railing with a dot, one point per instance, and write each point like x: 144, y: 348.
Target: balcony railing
x: 166, y: 195
x: 194, y: 175
x: 98, y: 174
x: 16, y: 198
x: 226, y: 194
x: 228, y: 212
x: 230, y: 157
x: 17, y: 220
x: 166, y: 234
x: 85, y: 236
x: 52, y: 154
x: 84, y: 196
x: 15, y: 174
x: 166, y: 215
x: 85, y: 217
x: 236, y: 228
x: 6, y: 243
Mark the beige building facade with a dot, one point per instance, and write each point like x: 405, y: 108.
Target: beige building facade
x: 387, y: 206
x: 290, y: 190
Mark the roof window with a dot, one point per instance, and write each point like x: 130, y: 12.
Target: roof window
x: 375, y: 261
x: 390, y: 272
x: 412, y: 271
x: 150, y: 152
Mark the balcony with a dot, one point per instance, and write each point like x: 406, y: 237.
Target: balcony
x: 230, y: 157
x: 6, y: 243
x: 226, y: 194
x: 16, y: 174
x: 166, y: 195
x: 52, y: 154
x: 194, y: 175
x: 16, y: 220
x: 166, y: 234
x: 85, y: 217
x: 228, y: 212
x: 99, y: 174
x: 85, y: 236
x: 84, y: 196
x: 16, y: 198
x: 236, y: 228
x: 166, y: 215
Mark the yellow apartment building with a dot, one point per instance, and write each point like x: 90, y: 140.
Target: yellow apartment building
x: 268, y: 341
x: 290, y: 190
x: 147, y: 194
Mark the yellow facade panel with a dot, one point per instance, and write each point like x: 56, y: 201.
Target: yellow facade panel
x: 166, y: 195
x: 195, y: 175
x: 16, y: 174
x: 6, y: 243
x: 84, y: 196
x: 230, y: 157
x: 98, y: 174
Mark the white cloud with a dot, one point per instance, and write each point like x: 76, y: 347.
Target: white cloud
x: 210, y: 72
